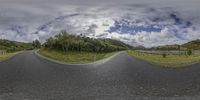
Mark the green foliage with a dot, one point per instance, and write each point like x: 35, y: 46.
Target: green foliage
x: 172, y: 61
x: 74, y: 57
x: 36, y: 44
x: 13, y: 46
x: 164, y: 55
x: 189, y: 52
x: 7, y: 56
x: 66, y: 42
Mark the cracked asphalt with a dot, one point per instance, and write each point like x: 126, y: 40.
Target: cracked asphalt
x: 30, y: 77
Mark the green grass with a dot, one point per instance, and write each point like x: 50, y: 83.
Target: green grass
x: 6, y: 56
x: 172, y: 61
x: 74, y: 57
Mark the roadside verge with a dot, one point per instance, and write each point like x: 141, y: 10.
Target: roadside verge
x: 8, y: 56
x: 92, y: 63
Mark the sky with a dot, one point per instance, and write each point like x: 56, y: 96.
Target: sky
x: 136, y: 22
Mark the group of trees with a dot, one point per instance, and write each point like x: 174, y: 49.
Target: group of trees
x: 36, y: 44
x: 67, y: 42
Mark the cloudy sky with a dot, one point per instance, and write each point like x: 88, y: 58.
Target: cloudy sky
x: 135, y: 22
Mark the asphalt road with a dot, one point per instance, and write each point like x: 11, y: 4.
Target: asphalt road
x: 30, y: 77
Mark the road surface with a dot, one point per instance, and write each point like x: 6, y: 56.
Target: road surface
x: 30, y: 77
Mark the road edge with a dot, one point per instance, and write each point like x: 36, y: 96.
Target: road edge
x: 92, y: 63
x: 17, y: 53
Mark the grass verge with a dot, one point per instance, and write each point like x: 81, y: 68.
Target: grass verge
x: 74, y: 57
x: 171, y: 61
x: 6, y: 56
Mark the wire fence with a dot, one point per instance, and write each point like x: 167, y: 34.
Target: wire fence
x: 2, y: 52
x: 157, y: 52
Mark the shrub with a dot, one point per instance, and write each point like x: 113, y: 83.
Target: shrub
x: 189, y: 52
x: 164, y: 55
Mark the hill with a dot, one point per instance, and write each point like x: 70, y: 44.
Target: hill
x: 168, y: 47
x: 195, y: 45
x: 118, y: 43
x: 12, y: 46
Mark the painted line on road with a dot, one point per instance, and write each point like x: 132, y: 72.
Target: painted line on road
x: 92, y: 63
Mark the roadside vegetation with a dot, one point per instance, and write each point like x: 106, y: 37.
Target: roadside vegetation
x: 171, y: 55
x: 79, y: 49
x: 36, y: 44
x: 172, y: 61
x: 13, y: 46
x: 6, y: 56
x: 10, y: 48
x: 66, y: 42
x: 71, y: 57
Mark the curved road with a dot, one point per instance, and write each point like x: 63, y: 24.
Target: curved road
x: 30, y: 77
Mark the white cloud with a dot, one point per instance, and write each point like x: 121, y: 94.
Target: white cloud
x: 40, y: 21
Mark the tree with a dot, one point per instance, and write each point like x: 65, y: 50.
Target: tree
x: 68, y: 42
x: 164, y: 55
x: 189, y: 52
x: 36, y: 44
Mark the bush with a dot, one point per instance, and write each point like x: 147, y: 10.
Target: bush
x: 164, y: 55
x: 36, y: 44
x: 189, y: 52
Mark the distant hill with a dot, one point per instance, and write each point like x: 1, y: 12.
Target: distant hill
x: 195, y: 45
x: 192, y: 45
x: 168, y: 47
x: 11, y: 46
x: 139, y: 47
x: 118, y: 43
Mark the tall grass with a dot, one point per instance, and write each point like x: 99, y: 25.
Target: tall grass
x: 169, y: 60
x: 74, y: 57
x: 7, y: 56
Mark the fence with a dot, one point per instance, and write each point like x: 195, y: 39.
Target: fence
x: 155, y: 52
x: 2, y: 52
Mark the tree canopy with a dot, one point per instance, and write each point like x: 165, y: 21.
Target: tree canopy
x: 67, y: 42
x: 36, y: 44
